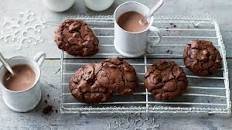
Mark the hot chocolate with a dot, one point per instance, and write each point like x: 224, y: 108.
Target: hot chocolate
x: 131, y: 21
x: 23, y: 78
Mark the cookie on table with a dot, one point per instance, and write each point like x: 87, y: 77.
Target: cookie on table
x: 202, y: 58
x: 76, y: 38
x: 97, y: 82
x: 165, y: 80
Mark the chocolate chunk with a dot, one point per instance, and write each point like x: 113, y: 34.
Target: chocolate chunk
x: 165, y: 80
x: 76, y: 38
x: 202, y: 58
x: 94, y: 83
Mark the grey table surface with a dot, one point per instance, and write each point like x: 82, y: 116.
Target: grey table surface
x: 12, y: 9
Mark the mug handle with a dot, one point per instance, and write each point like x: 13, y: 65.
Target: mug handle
x: 157, y: 32
x: 39, y: 58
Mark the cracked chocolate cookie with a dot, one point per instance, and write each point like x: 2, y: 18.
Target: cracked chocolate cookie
x: 97, y: 82
x: 76, y: 38
x: 165, y: 80
x: 202, y: 58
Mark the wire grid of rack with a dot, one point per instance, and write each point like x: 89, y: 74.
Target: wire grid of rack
x: 204, y: 95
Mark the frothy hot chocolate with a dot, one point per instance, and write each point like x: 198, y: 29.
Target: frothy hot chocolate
x: 131, y: 21
x: 23, y: 78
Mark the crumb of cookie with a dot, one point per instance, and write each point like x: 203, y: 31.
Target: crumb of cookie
x: 48, y: 109
x: 211, y: 114
x: 173, y: 25
x: 169, y: 51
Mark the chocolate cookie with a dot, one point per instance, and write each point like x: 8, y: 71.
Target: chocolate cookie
x: 94, y: 83
x: 76, y: 38
x: 85, y: 87
x: 120, y: 76
x: 165, y: 80
x: 202, y: 58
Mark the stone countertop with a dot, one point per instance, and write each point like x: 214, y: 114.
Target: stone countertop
x: 11, y: 9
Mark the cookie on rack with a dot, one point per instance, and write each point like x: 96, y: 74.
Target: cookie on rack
x: 119, y: 75
x: 165, y: 80
x: 85, y: 87
x: 97, y: 82
x: 76, y: 38
x: 202, y: 58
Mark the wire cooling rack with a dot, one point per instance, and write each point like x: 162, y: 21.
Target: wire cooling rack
x: 204, y: 95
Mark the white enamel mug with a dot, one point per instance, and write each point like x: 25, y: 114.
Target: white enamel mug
x: 98, y: 5
x: 133, y: 44
x: 58, y: 5
x: 25, y: 100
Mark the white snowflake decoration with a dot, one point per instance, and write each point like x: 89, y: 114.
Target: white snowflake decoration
x: 23, y: 30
